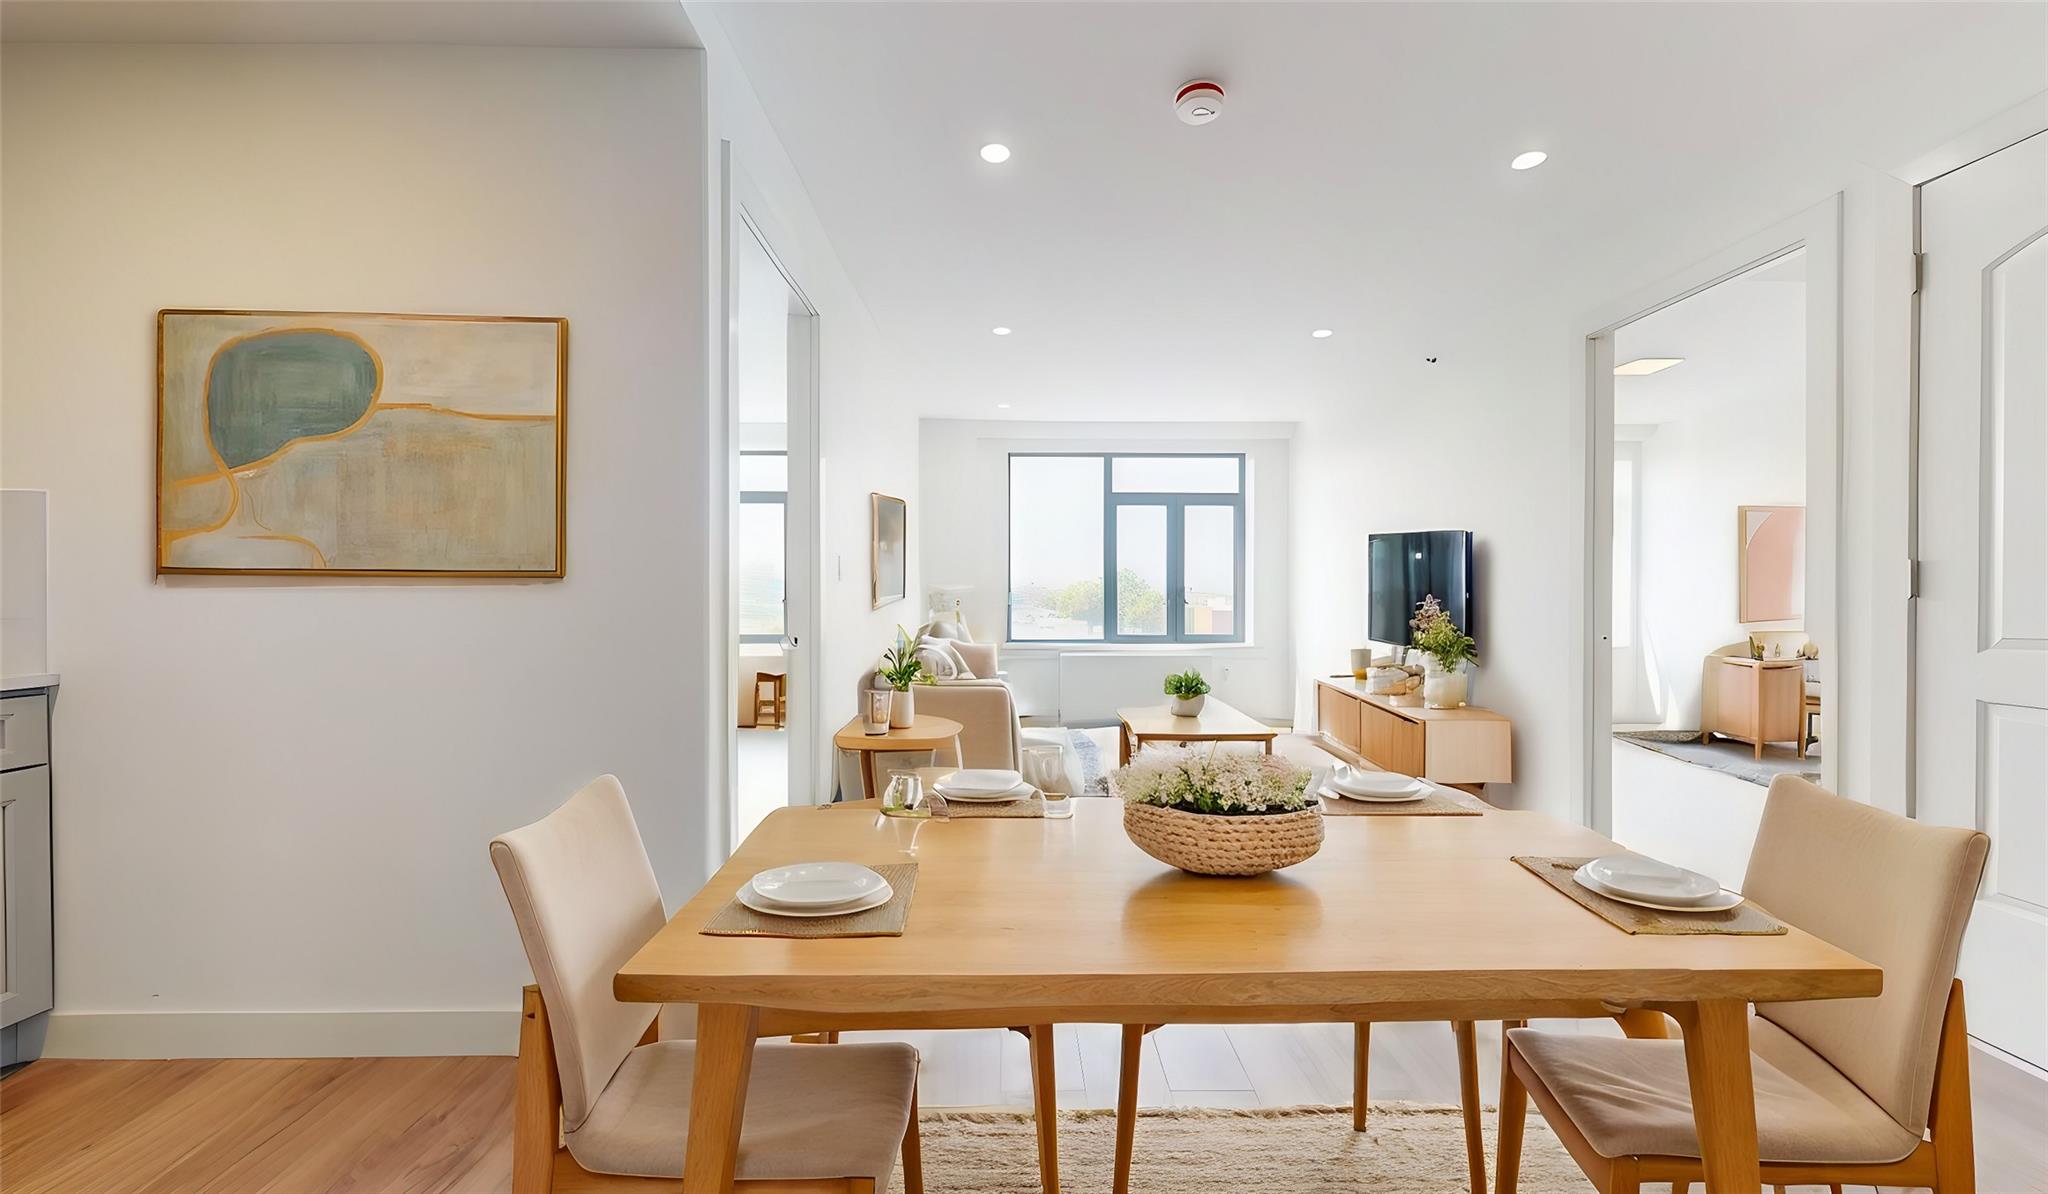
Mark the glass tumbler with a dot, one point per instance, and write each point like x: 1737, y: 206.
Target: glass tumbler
x: 1045, y: 768
x: 904, y: 797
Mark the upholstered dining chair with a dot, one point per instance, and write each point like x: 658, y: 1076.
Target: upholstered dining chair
x: 592, y: 1073
x: 1864, y: 1091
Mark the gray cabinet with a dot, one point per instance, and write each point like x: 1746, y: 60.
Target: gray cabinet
x: 27, y: 954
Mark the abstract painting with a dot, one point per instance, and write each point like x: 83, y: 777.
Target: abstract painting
x: 1771, y: 569
x: 889, y: 548
x: 359, y: 444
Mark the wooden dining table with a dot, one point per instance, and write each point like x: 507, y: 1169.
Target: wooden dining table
x: 1020, y: 921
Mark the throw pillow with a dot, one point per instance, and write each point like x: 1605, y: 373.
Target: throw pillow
x: 942, y: 660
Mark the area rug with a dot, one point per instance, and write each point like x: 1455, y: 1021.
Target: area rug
x: 1731, y: 758
x: 1405, y: 1149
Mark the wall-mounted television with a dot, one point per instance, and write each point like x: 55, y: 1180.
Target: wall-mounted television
x: 1407, y: 566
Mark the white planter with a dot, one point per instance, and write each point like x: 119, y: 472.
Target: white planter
x: 902, y: 709
x: 1444, y: 690
x: 1187, y: 706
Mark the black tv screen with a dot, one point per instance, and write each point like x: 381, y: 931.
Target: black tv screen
x: 1408, y: 566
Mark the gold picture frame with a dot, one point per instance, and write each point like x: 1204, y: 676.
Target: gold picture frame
x: 888, y: 549
x: 507, y: 381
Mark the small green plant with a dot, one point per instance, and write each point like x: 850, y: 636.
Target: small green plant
x: 1439, y: 637
x: 901, y: 667
x: 1186, y: 684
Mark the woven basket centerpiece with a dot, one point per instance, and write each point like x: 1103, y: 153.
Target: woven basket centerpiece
x: 1205, y: 844
x: 1210, y: 813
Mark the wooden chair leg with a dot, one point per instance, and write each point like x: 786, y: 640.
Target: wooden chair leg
x: 1514, y: 1113
x: 537, y: 1101
x: 1949, y: 1118
x: 913, y: 1151
x: 1468, y: 1101
x: 1045, y: 1107
x: 1127, y: 1105
x: 1361, y: 1070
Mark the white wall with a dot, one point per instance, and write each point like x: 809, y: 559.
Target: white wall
x: 273, y: 796
x: 1730, y: 430
x: 866, y: 429
x: 965, y: 487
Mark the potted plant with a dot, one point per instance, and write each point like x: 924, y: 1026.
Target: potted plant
x: 1216, y: 813
x: 1446, y: 650
x: 900, y: 669
x: 1189, y: 692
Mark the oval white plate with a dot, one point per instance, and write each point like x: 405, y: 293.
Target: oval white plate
x: 1014, y: 792
x: 752, y: 899
x: 987, y: 781
x: 810, y: 884
x: 1368, y: 785
x: 1720, y: 902
x: 1641, y: 878
x: 1421, y: 791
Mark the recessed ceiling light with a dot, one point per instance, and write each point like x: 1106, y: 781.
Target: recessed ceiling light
x: 1000, y: 331
x: 1529, y: 160
x: 1644, y: 366
x: 1322, y: 333
x: 1002, y: 406
x: 995, y: 154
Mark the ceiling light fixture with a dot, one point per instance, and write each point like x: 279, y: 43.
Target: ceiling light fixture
x: 995, y: 154
x: 1644, y: 366
x: 1000, y: 331
x: 1002, y: 406
x: 1322, y: 333
x: 1529, y: 160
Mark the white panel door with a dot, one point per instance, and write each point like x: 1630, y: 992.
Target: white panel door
x: 1982, y: 618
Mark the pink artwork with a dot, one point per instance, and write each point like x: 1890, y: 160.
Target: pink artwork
x: 1772, y: 584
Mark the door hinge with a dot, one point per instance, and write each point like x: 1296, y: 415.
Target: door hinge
x: 1919, y: 271
x: 1912, y: 579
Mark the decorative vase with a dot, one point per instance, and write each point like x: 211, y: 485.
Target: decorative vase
x: 1201, y: 844
x: 1187, y: 706
x: 1444, y: 690
x: 902, y: 709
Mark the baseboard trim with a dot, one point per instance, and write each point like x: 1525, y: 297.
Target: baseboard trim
x: 132, y: 1035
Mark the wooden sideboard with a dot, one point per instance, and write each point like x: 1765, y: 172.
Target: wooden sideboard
x: 1461, y: 747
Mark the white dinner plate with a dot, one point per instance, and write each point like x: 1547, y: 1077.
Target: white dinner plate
x: 1014, y: 792
x: 1720, y: 902
x: 752, y: 899
x: 1641, y: 878
x: 986, y: 781
x: 1359, y: 783
x: 814, y: 884
x: 1421, y: 792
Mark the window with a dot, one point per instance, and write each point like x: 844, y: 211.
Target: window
x: 1138, y: 548
x: 764, y: 506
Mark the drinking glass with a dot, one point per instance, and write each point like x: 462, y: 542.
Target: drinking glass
x: 1045, y: 768
x: 904, y: 797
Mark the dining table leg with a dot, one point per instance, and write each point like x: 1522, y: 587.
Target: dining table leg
x: 1045, y: 1107
x: 718, y: 1095
x: 1717, y: 1067
x: 1467, y: 1037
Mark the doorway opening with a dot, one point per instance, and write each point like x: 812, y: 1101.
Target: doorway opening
x: 1713, y: 467
x: 770, y: 360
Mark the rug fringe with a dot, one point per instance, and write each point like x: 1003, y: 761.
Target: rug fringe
x: 1392, y: 1107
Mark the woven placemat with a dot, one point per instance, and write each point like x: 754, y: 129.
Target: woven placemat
x: 738, y: 920
x: 962, y: 810
x: 1439, y: 803
x: 1743, y: 920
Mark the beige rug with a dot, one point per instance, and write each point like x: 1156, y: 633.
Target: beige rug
x: 1406, y: 1149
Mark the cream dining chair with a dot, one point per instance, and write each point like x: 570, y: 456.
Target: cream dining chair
x: 1866, y: 1091
x: 591, y: 1070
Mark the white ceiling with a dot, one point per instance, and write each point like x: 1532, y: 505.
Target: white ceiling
x: 1744, y: 344
x: 589, y: 23
x: 1356, y: 180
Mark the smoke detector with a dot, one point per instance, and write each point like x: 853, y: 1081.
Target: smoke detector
x: 1198, y: 102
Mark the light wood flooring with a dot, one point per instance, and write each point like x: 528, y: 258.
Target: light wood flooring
x: 443, y: 1124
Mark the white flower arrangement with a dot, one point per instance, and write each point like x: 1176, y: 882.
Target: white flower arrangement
x: 1236, y: 784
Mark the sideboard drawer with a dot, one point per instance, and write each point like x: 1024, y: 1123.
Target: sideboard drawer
x: 24, y: 731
